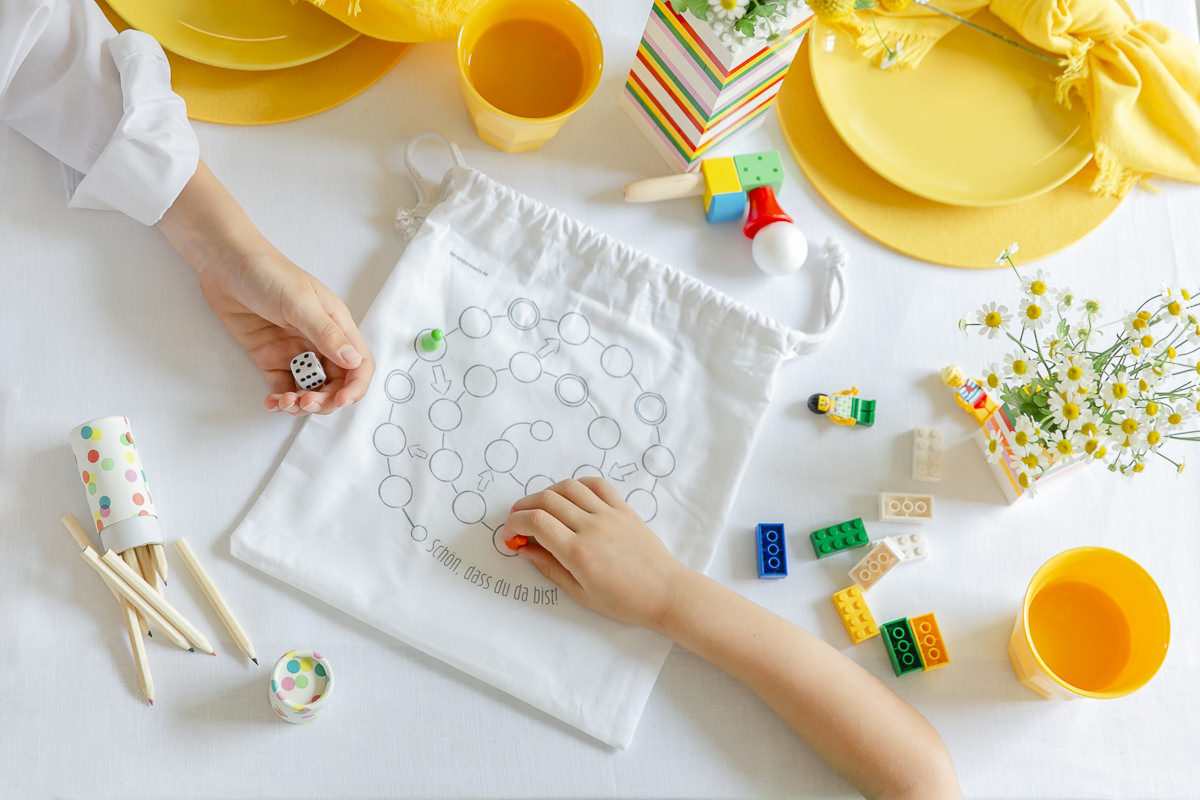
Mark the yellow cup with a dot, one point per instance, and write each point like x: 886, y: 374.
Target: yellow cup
x: 525, y: 66
x: 1094, y: 624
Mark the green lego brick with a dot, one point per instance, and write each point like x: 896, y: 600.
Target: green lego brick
x: 845, y: 536
x: 759, y: 169
x: 865, y: 413
x: 901, y: 646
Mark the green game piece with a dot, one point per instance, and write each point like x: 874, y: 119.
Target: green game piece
x: 835, y: 538
x: 759, y: 169
x: 901, y: 646
x: 432, y: 340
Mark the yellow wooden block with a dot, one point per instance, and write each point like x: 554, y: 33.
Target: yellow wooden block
x: 720, y: 177
x: 929, y: 641
x: 852, y: 608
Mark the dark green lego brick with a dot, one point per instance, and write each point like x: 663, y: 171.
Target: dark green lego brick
x: 759, y: 169
x: 835, y: 538
x: 901, y: 646
x: 866, y: 413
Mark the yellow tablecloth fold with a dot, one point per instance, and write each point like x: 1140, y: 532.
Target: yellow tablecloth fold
x: 1139, y: 80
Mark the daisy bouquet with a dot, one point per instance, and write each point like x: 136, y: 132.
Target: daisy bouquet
x: 739, y: 22
x: 1076, y: 389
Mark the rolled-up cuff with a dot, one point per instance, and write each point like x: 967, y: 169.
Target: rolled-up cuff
x: 153, y: 152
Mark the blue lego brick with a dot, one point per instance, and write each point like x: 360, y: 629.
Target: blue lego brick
x: 835, y: 538
x: 901, y: 646
x: 726, y: 207
x: 772, y: 552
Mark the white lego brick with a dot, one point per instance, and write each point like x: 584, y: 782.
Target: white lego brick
x: 927, y: 454
x: 875, y: 565
x: 898, y: 507
x: 911, y: 546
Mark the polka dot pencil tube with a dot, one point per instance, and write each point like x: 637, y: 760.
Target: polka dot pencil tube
x: 114, y: 480
x: 301, y: 682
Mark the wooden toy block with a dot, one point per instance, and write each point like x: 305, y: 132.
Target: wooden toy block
x: 911, y: 546
x: 852, y: 608
x: 724, y: 198
x: 929, y: 641
x: 927, y: 454
x: 772, y: 552
x: 835, y: 538
x: 759, y: 169
x: 896, y: 507
x: 901, y: 647
x: 875, y: 565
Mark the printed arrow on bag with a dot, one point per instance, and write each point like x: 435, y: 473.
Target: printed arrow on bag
x: 549, y: 348
x: 440, y: 384
x: 416, y: 451
x: 485, y: 479
x: 620, y: 473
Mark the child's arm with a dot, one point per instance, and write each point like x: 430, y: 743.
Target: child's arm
x: 274, y: 309
x: 594, y: 546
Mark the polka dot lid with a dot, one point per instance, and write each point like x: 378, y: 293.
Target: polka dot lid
x: 300, y: 685
x: 114, y: 481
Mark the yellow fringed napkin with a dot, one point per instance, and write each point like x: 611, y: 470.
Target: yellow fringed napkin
x: 1140, y: 81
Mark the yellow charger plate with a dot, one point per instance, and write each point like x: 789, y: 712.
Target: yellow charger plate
x: 238, y: 34
x: 975, y: 123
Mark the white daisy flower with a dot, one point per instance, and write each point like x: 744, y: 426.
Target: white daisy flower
x: 1074, y: 370
x: 730, y: 10
x: 1065, y: 408
x: 1037, y: 287
x: 993, y: 319
x: 1017, y: 366
x: 1032, y: 314
x: 1011, y: 250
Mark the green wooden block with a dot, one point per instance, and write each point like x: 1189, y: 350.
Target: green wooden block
x: 901, y: 646
x: 759, y: 169
x: 835, y: 538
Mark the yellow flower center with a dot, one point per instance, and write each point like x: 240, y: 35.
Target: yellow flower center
x: 1070, y: 411
x: 993, y: 380
x: 1090, y: 445
x: 1030, y: 461
x: 1021, y: 438
x: 1143, y: 385
x: 1185, y: 294
x: 1037, y: 287
x: 1101, y: 453
x: 1153, y: 438
x: 1129, y: 426
x: 1032, y: 311
x: 1064, y: 447
x: 1144, y: 315
x: 1023, y: 479
x: 1090, y: 429
x: 1139, y: 323
x: 1138, y: 467
x: 1147, y: 341
x: 1074, y: 373
x: 1120, y: 391
x: 1171, y: 352
x: 993, y: 445
x: 993, y: 319
x: 1151, y: 408
x: 1019, y: 367
x: 1174, y: 308
x: 1175, y: 418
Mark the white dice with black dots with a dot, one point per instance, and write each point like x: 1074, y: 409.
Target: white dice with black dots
x: 307, y: 370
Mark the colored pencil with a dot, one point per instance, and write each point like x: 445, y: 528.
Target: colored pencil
x: 119, y: 584
x: 215, y: 599
x: 160, y: 561
x: 158, y: 602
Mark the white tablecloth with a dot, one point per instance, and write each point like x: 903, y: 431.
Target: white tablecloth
x: 101, y: 317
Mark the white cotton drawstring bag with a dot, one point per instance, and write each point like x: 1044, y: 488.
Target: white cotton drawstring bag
x: 564, y: 353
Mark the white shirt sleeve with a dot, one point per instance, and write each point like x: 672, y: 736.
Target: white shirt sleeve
x: 99, y: 102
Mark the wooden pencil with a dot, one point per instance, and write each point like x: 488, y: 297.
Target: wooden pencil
x: 120, y: 585
x: 133, y: 620
x: 215, y: 599
x: 159, y: 556
x: 131, y: 559
x: 158, y: 602
x: 146, y: 567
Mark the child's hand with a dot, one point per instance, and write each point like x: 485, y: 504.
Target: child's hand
x: 275, y: 311
x: 596, y: 548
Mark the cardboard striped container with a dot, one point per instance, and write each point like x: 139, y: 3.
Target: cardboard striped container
x: 689, y: 92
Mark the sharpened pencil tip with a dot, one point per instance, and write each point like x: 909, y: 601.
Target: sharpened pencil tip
x: 255, y: 660
x: 150, y: 634
x: 213, y: 653
x: 151, y: 702
x: 191, y: 649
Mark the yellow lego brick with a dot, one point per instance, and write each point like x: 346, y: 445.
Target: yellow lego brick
x: 929, y: 641
x: 852, y: 608
x: 720, y: 177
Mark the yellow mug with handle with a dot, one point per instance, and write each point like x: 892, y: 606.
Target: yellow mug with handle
x: 1093, y: 624
x: 526, y: 66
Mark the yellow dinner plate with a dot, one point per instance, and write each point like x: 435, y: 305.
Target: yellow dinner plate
x: 238, y: 34
x: 975, y: 123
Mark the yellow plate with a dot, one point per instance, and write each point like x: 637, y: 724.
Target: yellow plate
x: 975, y: 123
x: 238, y: 34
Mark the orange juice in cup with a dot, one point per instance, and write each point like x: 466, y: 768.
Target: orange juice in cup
x: 525, y: 67
x: 1094, y: 624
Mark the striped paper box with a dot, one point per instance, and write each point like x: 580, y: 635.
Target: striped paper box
x: 1006, y: 469
x: 688, y: 92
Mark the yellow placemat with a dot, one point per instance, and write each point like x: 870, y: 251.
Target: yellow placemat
x: 941, y: 234
x: 263, y: 97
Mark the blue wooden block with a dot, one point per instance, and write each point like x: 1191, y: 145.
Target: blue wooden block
x: 726, y: 207
x: 772, y: 552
